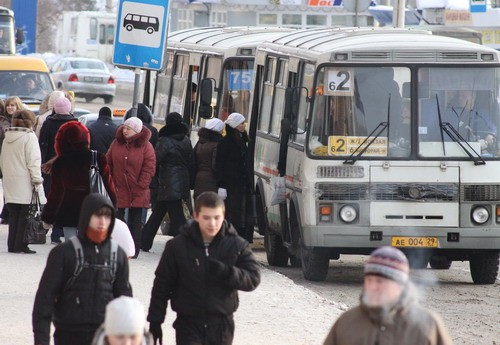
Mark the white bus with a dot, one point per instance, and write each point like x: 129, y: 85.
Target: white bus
x: 208, y: 72
x: 384, y: 137
x: 86, y: 34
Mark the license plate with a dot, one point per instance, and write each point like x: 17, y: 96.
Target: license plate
x: 415, y: 242
x: 92, y: 79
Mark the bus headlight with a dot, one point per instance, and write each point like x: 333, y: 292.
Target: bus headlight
x: 480, y: 215
x: 348, y: 213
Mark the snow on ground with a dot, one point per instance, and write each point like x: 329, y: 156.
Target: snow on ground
x: 277, y: 312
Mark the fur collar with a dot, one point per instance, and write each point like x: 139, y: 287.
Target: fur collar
x: 209, y: 135
x: 170, y: 130
x: 137, y: 140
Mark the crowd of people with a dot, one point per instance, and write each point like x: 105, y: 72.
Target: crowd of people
x: 85, y: 291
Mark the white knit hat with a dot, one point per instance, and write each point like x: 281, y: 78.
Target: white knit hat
x: 124, y: 315
x: 134, y: 123
x: 235, y: 119
x: 214, y: 125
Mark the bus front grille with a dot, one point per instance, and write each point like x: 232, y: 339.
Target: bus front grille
x: 446, y: 192
x: 475, y: 192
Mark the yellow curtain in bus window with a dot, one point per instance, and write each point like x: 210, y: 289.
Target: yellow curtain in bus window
x: 346, y: 145
x: 339, y: 82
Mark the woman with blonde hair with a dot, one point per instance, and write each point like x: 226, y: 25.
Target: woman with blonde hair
x: 20, y: 161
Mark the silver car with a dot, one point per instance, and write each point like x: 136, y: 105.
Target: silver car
x: 87, y: 78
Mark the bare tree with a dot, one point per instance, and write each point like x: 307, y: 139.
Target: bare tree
x: 48, y: 15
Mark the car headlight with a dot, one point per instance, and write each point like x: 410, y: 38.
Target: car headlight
x: 480, y: 215
x: 348, y: 213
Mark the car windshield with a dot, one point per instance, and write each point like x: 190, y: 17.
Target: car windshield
x: 29, y: 86
x: 79, y: 64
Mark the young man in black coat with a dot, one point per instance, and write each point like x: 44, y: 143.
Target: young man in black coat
x: 200, y: 271
x: 76, y: 303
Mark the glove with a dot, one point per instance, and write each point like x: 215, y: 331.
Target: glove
x: 222, y: 193
x: 218, y: 268
x: 155, y: 330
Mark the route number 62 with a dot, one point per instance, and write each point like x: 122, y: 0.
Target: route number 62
x: 339, y: 82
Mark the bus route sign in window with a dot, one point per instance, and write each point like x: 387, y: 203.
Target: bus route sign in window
x: 240, y: 79
x: 346, y: 145
x: 339, y: 82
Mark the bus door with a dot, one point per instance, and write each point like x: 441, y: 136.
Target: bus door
x: 106, y: 36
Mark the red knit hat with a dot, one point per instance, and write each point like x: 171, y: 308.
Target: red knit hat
x: 72, y: 136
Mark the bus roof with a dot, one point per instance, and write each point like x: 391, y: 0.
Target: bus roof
x: 223, y: 40
x: 377, y: 45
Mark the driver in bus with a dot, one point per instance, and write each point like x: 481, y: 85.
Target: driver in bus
x: 30, y: 88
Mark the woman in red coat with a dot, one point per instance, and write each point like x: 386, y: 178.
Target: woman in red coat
x: 70, y: 177
x: 132, y: 160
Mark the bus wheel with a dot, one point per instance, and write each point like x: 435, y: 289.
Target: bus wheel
x: 484, y: 267
x: 439, y: 262
x: 129, y: 27
x: 276, y: 253
x: 295, y: 261
x: 150, y: 30
x: 315, y: 262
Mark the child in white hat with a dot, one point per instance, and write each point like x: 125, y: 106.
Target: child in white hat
x: 124, y: 323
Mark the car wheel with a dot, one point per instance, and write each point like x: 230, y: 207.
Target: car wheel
x: 89, y: 99
x: 108, y: 99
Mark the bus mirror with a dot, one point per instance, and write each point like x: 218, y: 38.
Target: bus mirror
x: 19, y: 36
x: 206, y: 90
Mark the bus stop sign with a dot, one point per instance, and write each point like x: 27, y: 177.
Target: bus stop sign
x: 141, y: 31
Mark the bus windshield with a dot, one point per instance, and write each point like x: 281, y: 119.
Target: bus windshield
x: 457, y: 118
x: 467, y: 99
x: 236, y: 87
x: 350, y: 103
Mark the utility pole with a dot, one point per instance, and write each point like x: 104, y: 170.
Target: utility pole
x: 398, y: 14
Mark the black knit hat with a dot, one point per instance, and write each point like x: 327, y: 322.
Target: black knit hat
x: 105, y: 111
x: 173, y: 119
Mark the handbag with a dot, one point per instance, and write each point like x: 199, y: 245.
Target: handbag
x: 34, y: 232
x: 95, y: 179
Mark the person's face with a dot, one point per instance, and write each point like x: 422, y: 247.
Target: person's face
x: 30, y: 84
x: 210, y: 222
x: 11, y: 108
x: 241, y: 127
x: 128, y: 132
x: 122, y: 339
x: 100, y: 223
x: 379, y: 291
x: 463, y: 98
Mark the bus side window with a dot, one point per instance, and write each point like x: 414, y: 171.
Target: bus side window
x: 306, y: 81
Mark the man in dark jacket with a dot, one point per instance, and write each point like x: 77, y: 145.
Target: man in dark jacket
x: 174, y: 172
x: 200, y: 271
x: 76, y: 303
x: 103, y: 131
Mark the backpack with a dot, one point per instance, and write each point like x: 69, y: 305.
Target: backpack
x: 81, y: 264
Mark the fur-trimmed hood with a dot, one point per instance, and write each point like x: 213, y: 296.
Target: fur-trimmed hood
x: 209, y: 135
x: 137, y: 140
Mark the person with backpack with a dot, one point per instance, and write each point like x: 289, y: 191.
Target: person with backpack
x: 81, y: 276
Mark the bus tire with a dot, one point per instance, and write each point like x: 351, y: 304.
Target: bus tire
x: 315, y: 262
x: 295, y: 261
x: 150, y: 30
x: 129, y: 27
x: 276, y: 252
x: 439, y: 262
x: 484, y: 267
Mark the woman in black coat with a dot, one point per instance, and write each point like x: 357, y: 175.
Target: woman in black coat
x: 233, y: 177
x: 174, y: 173
x: 205, y: 151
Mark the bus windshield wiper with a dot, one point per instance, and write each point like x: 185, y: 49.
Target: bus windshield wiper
x: 448, y: 128
x: 376, y: 132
